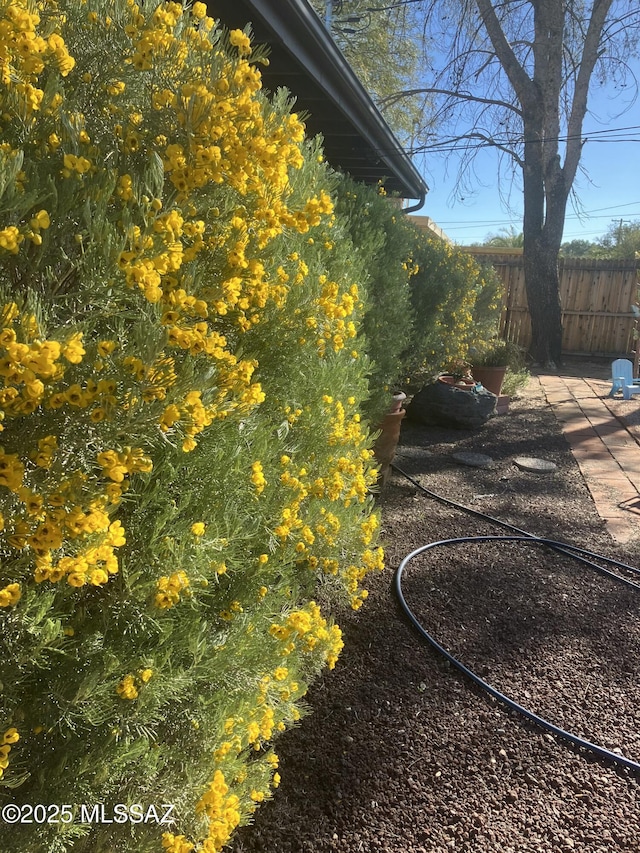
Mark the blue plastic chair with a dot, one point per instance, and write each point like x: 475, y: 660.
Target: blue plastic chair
x: 622, y: 379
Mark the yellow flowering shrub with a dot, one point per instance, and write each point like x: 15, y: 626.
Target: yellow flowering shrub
x: 425, y: 302
x: 456, y: 305
x: 185, y: 471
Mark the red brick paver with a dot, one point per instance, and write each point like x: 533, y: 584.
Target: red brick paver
x: 607, y: 454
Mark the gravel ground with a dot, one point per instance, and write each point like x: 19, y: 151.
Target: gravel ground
x: 403, y: 754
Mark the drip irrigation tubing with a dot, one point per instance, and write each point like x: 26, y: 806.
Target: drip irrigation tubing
x: 580, y: 554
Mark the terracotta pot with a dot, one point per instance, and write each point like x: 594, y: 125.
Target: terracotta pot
x: 463, y: 384
x: 385, y: 447
x: 491, y: 377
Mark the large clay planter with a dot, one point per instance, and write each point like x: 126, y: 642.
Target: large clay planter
x: 385, y: 447
x: 491, y: 377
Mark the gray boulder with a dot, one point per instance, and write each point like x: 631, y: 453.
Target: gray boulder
x: 445, y: 405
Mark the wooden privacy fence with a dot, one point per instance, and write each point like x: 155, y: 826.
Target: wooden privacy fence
x: 596, y: 298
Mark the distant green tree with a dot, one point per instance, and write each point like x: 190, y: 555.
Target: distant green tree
x: 378, y: 41
x: 578, y: 249
x: 622, y: 240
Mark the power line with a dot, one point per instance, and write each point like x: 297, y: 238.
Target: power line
x: 614, y: 206
x: 452, y: 224
x: 448, y: 147
x: 576, y: 215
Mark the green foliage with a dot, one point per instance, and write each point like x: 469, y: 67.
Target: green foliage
x: 622, y: 240
x: 426, y: 302
x: 515, y: 380
x: 497, y: 353
x: 382, y: 241
x: 578, y: 249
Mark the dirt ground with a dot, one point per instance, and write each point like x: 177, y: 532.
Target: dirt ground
x: 400, y: 752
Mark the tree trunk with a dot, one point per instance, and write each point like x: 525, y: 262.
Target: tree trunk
x: 543, y: 223
x: 542, y: 286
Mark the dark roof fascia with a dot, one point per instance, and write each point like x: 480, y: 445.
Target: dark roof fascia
x: 300, y: 32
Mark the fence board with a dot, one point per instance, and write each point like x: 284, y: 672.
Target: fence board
x: 596, y: 297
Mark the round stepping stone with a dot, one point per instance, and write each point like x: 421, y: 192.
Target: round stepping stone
x: 474, y: 460
x: 537, y: 466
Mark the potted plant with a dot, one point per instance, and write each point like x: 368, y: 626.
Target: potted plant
x: 459, y: 374
x: 385, y: 446
x: 489, y: 365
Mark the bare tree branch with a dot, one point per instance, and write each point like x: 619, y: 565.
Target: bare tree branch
x: 457, y: 143
x: 590, y: 54
x: 463, y: 96
x: 519, y: 79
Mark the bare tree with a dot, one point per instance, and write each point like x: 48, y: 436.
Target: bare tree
x: 515, y: 75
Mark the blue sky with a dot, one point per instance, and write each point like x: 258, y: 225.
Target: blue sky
x: 612, y: 192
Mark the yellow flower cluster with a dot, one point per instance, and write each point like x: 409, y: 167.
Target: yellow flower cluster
x: 264, y: 716
x: 193, y: 414
x: 371, y: 560
x: 169, y: 589
x: 155, y: 379
x: 116, y: 466
x: 307, y: 630
x: 222, y: 810
x: 11, y: 471
x: 368, y: 528
x: 24, y: 53
x: 258, y: 732
x: 257, y: 477
x: 10, y: 737
x: 220, y: 106
x: 240, y: 40
x: 255, y: 158
x: 12, y: 237
x: 10, y: 595
x: 128, y: 688
x: 305, y: 520
x: 332, y: 326
x: 44, y: 517
x: 47, y: 448
x: 176, y: 843
x: 29, y: 366
x: 92, y: 566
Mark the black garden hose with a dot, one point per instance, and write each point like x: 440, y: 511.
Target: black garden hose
x: 579, y: 554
